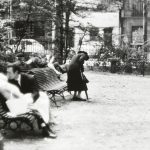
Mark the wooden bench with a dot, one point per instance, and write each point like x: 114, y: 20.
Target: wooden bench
x: 47, y: 80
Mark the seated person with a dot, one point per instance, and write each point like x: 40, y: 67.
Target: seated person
x: 61, y: 68
x: 36, y: 61
x: 53, y: 64
x: 30, y: 97
x: 54, y: 67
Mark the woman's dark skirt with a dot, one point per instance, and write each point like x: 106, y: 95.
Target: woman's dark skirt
x: 75, y: 82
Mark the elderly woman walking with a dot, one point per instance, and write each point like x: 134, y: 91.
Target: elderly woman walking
x: 76, y: 81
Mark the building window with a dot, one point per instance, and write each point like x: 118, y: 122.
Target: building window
x: 39, y: 29
x: 20, y: 28
x: 137, y: 34
x: 137, y: 8
x: 127, y: 4
x: 94, y: 32
x: 29, y: 29
x: 108, y: 36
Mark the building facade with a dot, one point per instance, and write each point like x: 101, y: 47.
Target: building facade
x: 97, y: 25
x: 131, y: 22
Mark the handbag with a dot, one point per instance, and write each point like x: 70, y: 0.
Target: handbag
x: 84, y: 79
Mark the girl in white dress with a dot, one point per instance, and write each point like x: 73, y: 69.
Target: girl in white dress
x: 19, y: 103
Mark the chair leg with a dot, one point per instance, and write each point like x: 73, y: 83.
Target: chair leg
x: 86, y: 95
x: 54, y: 100
x: 5, y: 124
x: 62, y: 95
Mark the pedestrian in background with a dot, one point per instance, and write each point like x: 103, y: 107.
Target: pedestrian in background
x: 76, y: 81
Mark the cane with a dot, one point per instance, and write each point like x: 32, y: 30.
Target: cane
x: 86, y: 94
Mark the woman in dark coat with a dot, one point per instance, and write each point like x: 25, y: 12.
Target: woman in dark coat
x: 75, y: 80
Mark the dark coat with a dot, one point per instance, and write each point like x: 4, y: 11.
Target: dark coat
x: 27, y: 85
x: 75, y: 81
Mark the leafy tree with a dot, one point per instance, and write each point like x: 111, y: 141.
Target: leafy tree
x: 60, y: 12
x: 25, y: 11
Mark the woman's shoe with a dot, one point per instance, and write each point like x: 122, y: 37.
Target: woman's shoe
x: 81, y: 99
x: 52, y: 135
x: 49, y: 134
x: 78, y: 99
x: 74, y: 99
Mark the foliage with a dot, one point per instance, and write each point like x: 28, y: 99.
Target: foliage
x: 27, y: 10
x: 4, y: 39
x: 4, y: 57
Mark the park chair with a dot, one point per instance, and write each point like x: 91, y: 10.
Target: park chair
x: 47, y: 80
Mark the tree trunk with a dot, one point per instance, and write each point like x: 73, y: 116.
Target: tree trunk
x: 59, y: 35
x: 67, y: 46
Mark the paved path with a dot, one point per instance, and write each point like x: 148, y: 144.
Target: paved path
x: 117, y: 118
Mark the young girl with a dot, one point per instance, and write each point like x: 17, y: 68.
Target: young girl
x: 19, y: 103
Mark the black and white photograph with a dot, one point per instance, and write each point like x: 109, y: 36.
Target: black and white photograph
x: 74, y: 74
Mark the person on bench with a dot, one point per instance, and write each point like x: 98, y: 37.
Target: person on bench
x: 40, y: 101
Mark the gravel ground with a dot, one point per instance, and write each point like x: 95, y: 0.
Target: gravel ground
x: 117, y: 117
